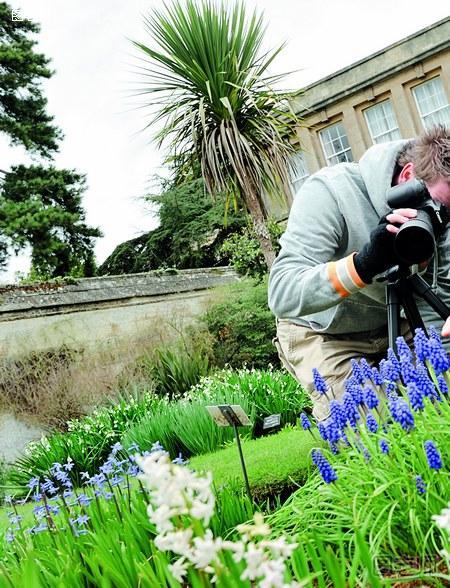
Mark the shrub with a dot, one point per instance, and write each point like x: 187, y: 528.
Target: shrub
x: 27, y: 384
x: 243, y: 327
x: 245, y: 252
x: 53, y: 386
x: 176, y: 367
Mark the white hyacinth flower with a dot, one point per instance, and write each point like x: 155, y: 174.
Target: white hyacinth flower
x: 272, y: 574
x: 179, y: 569
x: 253, y: 557
x: 176, y: 494
x: 179, y: 541
x: 442, y: 520
x: 205, y: 550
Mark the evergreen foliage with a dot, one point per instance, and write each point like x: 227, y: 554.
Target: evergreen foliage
x: 40, y: 207
x: 192, y: 228
x: 23, y: 115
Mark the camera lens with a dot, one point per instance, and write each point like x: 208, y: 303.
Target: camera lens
x: 414, y: 242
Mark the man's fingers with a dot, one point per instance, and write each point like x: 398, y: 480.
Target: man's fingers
x: 446, y: 328
x: 392, y: 229
x: 409, y: 212
x: 398, y: 216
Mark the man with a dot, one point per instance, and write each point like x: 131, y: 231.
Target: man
x: 328, y: 305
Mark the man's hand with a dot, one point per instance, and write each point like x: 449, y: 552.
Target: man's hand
x: 446, y: 328
x: 378, y: 254
x: 399, y: 216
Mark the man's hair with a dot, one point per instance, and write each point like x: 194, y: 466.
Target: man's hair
x: 430, y: 154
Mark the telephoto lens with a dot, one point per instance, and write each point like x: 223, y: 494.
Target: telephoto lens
x: 414, y: 243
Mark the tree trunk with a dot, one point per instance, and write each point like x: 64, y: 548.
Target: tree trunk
x: 262, y: 234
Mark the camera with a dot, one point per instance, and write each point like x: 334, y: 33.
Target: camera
x: 415, y: 241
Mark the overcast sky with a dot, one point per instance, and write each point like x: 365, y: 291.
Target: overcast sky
x: 90, y: 94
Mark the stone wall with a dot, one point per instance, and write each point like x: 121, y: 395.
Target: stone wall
x: 98, y: 310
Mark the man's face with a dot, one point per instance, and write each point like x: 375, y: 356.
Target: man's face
x: 440, y: 191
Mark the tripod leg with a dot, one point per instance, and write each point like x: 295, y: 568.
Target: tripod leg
x: 393, y: 314
x: 423, y: 289
x: 412, y: 312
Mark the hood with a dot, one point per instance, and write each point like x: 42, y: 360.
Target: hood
x: 376, y: 167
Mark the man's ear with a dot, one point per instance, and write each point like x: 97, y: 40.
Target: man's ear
x: 407, y: 173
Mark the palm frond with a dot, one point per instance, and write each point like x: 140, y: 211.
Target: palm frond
x: 210, y: 85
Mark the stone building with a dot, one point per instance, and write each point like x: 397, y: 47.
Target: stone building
x: 389, y: 95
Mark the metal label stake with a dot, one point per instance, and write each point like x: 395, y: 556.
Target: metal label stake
x: 226, y: 415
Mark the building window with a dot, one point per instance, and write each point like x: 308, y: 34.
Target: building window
x: 382, y: 123
x: 432, y: 102
x: 299, y: 171
x: 335, y: 144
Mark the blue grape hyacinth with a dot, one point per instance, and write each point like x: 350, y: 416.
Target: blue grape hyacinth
x: 415, y: 396
x: 402, y: 414
x: 421, y: 345
x: 305, y: 422
x: 420, y: 485
x: 338, y: 413
x: 384, y: 446
x: 319, y: 383
x: 326, y: 471
x: 370, y: 397
x: 438, y: 357
x: 371, y: 423
x: 434, y: 458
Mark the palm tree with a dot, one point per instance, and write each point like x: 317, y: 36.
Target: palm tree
x: 213, y: 96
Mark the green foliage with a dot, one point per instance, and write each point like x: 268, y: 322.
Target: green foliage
x: 3, y: 476
x: 186, y: 427
x: 212, y: 92
x: 243, y: 327
x: 41, y: 208
x: 23, y: 114
x: 263, y: 393
x: 175, y: 367
x: 376, y: 494
x: 87, y: 442
x: 174, y: 372
x: 192, y: 229
x: 115, y: 546
x: 244, y: 250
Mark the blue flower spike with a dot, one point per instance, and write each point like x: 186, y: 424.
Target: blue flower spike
x: 433, y: 455
x: 326, y: 471
x: 319, y: 383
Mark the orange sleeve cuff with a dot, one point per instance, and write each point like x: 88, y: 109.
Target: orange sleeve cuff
x: 343, y: 276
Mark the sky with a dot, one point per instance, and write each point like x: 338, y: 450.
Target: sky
x: 92, y: 93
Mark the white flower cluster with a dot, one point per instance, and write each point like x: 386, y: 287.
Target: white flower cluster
x: 178, y: 496
x: 442, y: 520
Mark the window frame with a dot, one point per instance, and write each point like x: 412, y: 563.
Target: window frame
x: 389, y: 130
x: 423, y: 117
x: 337, y: 153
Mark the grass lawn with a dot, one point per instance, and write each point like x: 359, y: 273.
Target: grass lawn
x: 273, y: 463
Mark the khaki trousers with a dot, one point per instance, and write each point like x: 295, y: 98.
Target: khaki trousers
x: 302, y: 349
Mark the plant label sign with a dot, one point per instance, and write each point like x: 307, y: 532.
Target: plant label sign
x: 274, y: 420
x: 226, y: 415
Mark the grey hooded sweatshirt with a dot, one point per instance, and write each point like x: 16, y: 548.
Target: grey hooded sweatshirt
x: 313, y: 281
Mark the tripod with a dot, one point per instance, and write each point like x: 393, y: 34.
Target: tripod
x: 401, y: 285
